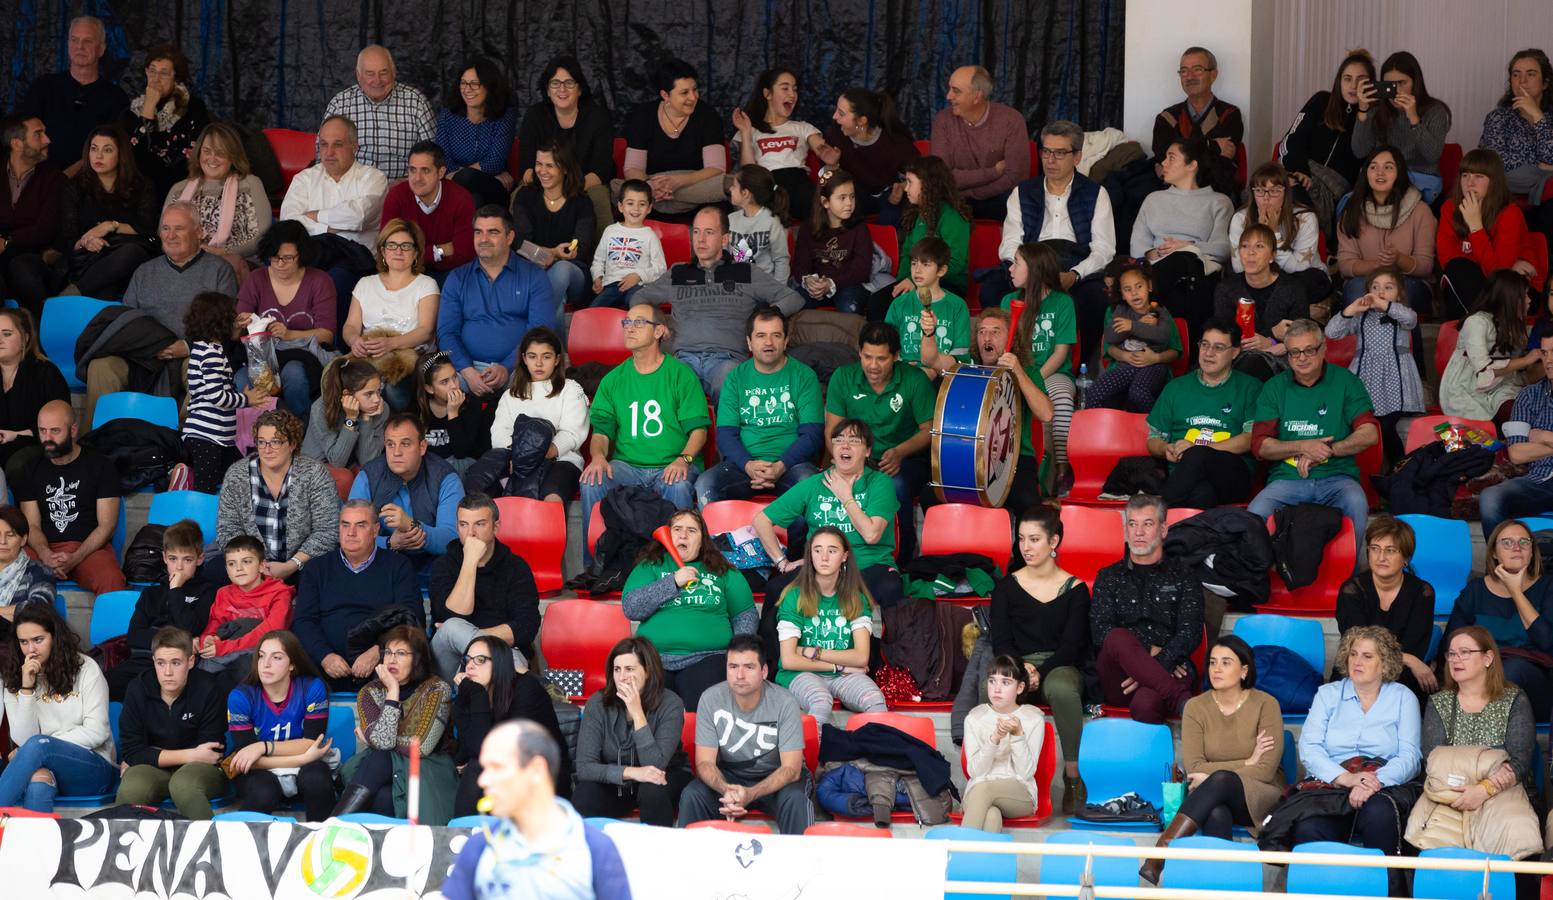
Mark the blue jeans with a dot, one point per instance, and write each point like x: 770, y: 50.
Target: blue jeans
x: 615, y: 298
x: 711, y: 366
x: 1336, y: 490
x: 851, y: 298
x: 568, y: 282
x: 77, y: 771
x: 681, y: 493
x: 294, y: 394
x: 1514, y: 499
x: 726, y: 481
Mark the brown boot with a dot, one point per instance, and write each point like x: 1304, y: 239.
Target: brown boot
x: 1180, y: 827
x: 1074, y: 795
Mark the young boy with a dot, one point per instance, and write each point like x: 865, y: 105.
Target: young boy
x: 629, y: 254
x: 948, y: 325
x: 183, y: 601
x: 245, y: 610
x: 172, y: 731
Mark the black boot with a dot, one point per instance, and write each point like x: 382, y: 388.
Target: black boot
x: 357, y: 798
x: 1180, y: 827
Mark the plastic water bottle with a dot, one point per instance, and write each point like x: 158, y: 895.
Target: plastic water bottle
x: 1081, y: 385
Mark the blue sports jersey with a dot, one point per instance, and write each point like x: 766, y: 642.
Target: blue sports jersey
x: 247, y: 707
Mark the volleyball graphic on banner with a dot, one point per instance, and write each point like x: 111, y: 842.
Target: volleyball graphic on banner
x: 336, y: 860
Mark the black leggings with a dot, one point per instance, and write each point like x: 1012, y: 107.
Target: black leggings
x: 1180, y: 282
x: 1205, y: 478
x: 1217, y: 805
x: 376, y: 774
x: 259, y: 791
x: 656, y: 801
x: 690, y: 682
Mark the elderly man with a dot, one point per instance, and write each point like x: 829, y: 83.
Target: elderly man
x: 73, y: 102
x: 442, y: 208
x: 1202, y: 115
x: 415, y: 493
x: 985, y: 144
x: 339, y: 202
x: 29, y: 213
x: 164, y: 287
x: 712, y: 297
x: 540, y: 846
x: 390, y: 117
x: 71, y: 500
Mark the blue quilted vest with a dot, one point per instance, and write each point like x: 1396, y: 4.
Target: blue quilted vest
x: 1082, y: 196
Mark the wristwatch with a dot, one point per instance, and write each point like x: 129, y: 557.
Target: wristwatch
x: 350, y: 423
x: 687, y: 458
x: 436, y: 252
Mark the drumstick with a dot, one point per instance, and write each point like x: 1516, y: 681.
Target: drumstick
x: 1016, y: 308
x: 662, y: 535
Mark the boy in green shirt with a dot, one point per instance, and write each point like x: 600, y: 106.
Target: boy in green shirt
x: 928, y: 317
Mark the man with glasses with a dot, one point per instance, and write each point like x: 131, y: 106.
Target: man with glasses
x: 73, y: 102
x: 1200, y: 423
x: 985, y: 144
x: 480, y: 587
x: 490, y: 303
x: 340, y: 204
x: 343, y: 596
x: 1202, y: 115
x: 441, y: 207
x: 649, y: 419
x: 390, y: 116
x: 1311, y: 421
x: 1070, y: 214
x: 1529, y: 436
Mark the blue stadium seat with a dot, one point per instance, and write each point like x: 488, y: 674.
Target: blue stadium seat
x: 115, y: 708
x: 342, y: 727
x: 370, y: 818
x: 1108, y: 871
x: 171, y: 506
x: 1443, y: 556
x: 1120, y: 755
x: 989, y: 867
x: 1311, y: 878
x: 1205, y: 875
x: 135, y: 405
x: 111, y: 613
x: 243, y: 815
x: 1303, y: 636
x: 490, y: 822
x: 64, y: 318
x: 1436, y: 635
x: 1437, y: 884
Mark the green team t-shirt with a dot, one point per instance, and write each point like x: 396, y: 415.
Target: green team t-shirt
x: 648, y: 418
x: 1026, y: 417
x: 827, y: 629
x: 817, y: 505
x: 895, y: 414
x: 1055, y: 325
x: 769, y: 408
x: 1325, y: 409
x: 700, y: 617
x: 1188, y: 409
x: 953, y: 335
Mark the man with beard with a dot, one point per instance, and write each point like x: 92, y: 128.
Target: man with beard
x: 29, y: 212
x: 71, y: 500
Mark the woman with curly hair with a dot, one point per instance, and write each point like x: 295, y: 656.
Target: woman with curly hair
x: 56, y: 702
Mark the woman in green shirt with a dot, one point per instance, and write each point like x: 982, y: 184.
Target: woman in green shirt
x: 824, y: 626
x: 689, y: 612
x: 933, y: 206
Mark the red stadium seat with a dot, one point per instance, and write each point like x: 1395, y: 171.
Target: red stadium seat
x: 512, y: 161
x: 595, y: 336
x: 578, y: 634
x: 675, y: 237
x: 1179, y: 514
x: 967, y: 528
x: 1536, y: 246
x: 1045, y: 770
x: 535, y: 531
x: 1092, y: 538
x: 1035, y: 158
x: 1318, y: 598
x: 924, y: 148
x: 919, y: 727
x: 1100, y: 438
x: 1340, y: 350
x: 1421, y: 431
x: 727, y: 515
x: 841, y: 829
x: 889, y: 242
x: 983, y: 254
x: 618, y: 151
x: 1450, y: 165
x: 1370, y: 463
x: 1180, y: 366
x: 343, y: 479
x: 294, y: 151
x: 725, y: 825
x: 1445, y: 345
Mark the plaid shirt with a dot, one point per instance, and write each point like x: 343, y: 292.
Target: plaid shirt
x: 1534, y: 407
x: 387, y: 130
x: 269, y: 513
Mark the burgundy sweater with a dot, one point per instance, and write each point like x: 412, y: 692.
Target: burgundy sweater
x: 452, y: 220
x: 845, y: 257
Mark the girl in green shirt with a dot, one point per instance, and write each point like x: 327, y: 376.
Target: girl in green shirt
x: 689, y: 612
x: 1049, y: 327
x: 933, y: 206
x: 824, y: 628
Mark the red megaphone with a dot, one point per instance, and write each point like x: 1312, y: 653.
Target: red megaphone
x: 1016, y: 308
x: 663, y: 536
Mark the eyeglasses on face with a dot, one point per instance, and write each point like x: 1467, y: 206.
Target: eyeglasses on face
x: 1306, y: 352
x: 398, y: 654
x: 404, y: 246
x: 1273, y: 190
x: 1384, y: 550
x: 1513, y: 543
x: 1208, y: 347
x: 471, y: 85
x: 1058, y: 153
x: 478, y: 659
x: 271, y: 443
x: 1461, y: 654
x: 636, y: 323
x: 1193, y: 70
x: 557, y: 84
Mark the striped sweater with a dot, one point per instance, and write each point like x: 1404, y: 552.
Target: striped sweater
x: 213, y: 402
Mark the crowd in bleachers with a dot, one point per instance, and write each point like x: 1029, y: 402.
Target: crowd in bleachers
x: 386, y: 374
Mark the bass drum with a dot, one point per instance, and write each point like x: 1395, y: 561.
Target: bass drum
x: 976, y: 436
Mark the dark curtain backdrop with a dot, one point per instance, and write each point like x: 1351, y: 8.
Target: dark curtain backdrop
x: 277, y: 63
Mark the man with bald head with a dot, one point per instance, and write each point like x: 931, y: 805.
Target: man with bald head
x: 71, y: 499
x: 390, y: 117
x: 985, y: 144
x: 73, y: 102
x: 540, y: 846
x: 339, y: 202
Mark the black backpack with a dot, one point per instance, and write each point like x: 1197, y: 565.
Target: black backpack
x: 143, y: 556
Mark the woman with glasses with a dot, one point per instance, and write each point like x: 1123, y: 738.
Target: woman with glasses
x: 1270, y: 201
x: 474, y: 129
x: 567, y: 113
x: 165, y: 119
x: 629, y: 751
x: 393, y: 313
x: 1512, y: 602
x: 1318, y: 148
x: 1391, y: 597
x: 405, y: 702
x: 493, y: 688
x: 298, y: 299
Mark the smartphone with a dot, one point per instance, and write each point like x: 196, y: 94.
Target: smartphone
x: 1386, y: 90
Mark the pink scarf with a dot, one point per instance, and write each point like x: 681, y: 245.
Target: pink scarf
x: 228, y: 207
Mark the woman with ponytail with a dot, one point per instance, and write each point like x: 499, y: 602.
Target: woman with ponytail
x: 869, y: 140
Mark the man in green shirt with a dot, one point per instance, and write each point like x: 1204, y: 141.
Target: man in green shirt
x: 770, y: 417
x: 1310, y: 423
x: 649, y: 419
x: 1200, y: 422
x: 897, y: 402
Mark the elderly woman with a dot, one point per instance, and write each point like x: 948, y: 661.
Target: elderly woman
x: 229, y: 200
x: 165, y: 120
x: 567, y: 113
x: 1512, y: 601
x: 675, y: 143
x: 296, y: 495
x: 1390, y: 597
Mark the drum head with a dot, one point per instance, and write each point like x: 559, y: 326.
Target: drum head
x: 976, y: 436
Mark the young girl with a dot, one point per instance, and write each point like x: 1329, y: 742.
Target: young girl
x: 933, y: 206
x: 210, y: 427
x: 1484, y: 374
x: 1002, y: 744
x: 756, y: 234
x: 1383, y: 361
x: 833, y: 257
x: 541, y: 390
x: 768, y: 137
x: 1481, y: 231
x: 345, y: 426
x: 277, y: 719
x: 458, y: 426
x: 824, y: 628
x: 1049, y: 326
x: 1270, y: 201
x: 1142, y: 341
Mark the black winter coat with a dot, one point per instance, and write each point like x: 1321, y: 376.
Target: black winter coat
x: 887, y: 746
x: 1300, y: 540
x: 1228, y: 547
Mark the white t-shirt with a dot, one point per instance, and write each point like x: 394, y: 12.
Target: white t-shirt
x: 383, y: 308
x: 786, y: 147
